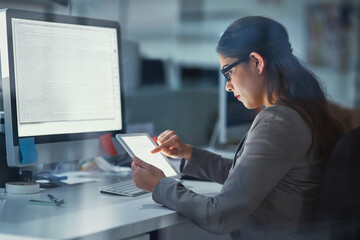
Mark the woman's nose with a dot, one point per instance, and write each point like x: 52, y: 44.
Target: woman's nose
x: 228, y: 86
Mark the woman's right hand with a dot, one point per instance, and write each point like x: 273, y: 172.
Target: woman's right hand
x: 171, y: 145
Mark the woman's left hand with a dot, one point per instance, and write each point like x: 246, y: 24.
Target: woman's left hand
x: 146, y: 176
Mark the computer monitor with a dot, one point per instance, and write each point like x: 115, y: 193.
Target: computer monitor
x: 61, y: 83
x: 152, y: 72
x: 234, y: 118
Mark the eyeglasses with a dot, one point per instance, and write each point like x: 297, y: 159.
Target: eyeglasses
x: 225, y: 71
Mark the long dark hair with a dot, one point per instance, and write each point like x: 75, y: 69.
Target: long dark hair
x: 288, y: 81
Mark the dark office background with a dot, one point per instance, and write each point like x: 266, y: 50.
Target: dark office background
x: 169, y: 55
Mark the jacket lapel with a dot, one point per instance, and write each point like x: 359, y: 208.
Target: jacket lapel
x: 239, y: 150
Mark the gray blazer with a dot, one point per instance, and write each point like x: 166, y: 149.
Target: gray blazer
x: 267, y: 190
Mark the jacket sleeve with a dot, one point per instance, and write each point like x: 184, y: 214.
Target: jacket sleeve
x: 207, y: 165
x: 269, y: 153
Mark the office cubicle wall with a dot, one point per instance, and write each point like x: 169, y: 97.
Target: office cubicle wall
x: 191, y: 113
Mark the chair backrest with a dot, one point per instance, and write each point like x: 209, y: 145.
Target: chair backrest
x: 339, y: 202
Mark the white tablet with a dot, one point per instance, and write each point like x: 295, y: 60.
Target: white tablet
x: 140, y: 145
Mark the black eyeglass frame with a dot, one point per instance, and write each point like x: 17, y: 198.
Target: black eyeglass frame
x: 228, y: 68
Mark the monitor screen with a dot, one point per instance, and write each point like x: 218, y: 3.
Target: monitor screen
x: 61, y: 83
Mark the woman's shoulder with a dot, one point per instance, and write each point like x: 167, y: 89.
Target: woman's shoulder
x: 281, y: 122
x: 284, y: 116
x: 281, y: 110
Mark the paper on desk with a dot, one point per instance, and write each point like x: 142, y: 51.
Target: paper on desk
x: 76, y: 177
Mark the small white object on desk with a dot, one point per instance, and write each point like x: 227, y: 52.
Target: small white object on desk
x: 22, y: 187
x: 76, y: 177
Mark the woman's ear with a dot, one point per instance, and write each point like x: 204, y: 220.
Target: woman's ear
x: 258, y: 62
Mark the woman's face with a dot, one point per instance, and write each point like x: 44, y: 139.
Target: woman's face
x: 247, y: 82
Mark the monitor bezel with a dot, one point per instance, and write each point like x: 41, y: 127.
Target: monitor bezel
x: 48, y: 17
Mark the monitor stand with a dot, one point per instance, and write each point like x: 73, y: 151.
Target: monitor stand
x: 7, y: 174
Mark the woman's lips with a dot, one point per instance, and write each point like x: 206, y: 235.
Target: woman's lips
x: 237, y: 97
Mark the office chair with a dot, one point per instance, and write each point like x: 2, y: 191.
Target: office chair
x: 337, y: 214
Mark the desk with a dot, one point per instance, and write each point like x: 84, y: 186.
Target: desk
x: 88, y: 214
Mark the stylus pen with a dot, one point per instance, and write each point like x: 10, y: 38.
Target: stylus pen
x: 55, y: 200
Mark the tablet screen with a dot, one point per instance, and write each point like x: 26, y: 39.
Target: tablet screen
x: 140, y: 145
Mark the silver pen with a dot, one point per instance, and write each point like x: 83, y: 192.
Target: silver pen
x: 55, y: 200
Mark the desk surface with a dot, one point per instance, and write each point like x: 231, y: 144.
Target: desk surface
x: 87, y: 213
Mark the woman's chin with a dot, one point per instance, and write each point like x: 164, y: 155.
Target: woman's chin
x: 246, y: 104
x: 249, y: 105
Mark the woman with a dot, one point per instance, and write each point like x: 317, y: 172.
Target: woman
x: 271, y: 186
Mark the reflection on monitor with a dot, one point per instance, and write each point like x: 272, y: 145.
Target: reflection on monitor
x: 61, y: 85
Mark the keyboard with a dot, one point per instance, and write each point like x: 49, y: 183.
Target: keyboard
x: 123, y: 188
